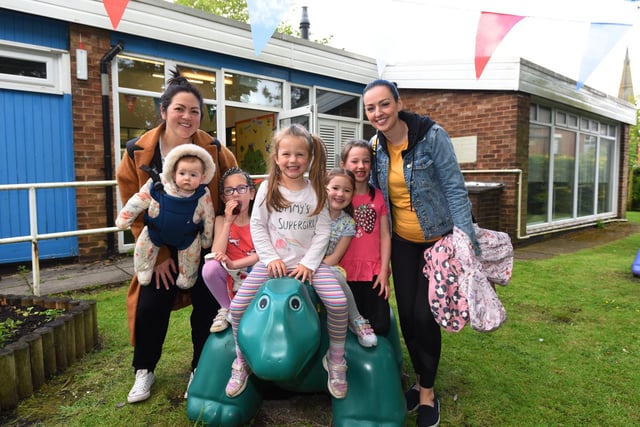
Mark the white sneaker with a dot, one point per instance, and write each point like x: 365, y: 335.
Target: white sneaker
x: 186, y: 393
x: 220, y: 322
x: 364, y: 332
x: 141, y: 389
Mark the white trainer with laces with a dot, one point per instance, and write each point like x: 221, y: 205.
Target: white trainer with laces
x: 364, y: 332
x: 221, y: 321
x: 141, y: 389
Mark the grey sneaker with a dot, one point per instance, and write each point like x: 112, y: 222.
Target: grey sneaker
x: 141, y: 389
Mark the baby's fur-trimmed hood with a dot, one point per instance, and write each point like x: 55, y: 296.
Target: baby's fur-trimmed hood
x: 188, y: 150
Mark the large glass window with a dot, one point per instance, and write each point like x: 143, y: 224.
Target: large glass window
x: 605, y: 178
x: 252, y: 90
x: 571, y: 166
x: 337, y: 104
x: 563, y: 151
x: 537, y: 202
x: 204, y: 80
x: 141, y: 74
x: 587, y: 174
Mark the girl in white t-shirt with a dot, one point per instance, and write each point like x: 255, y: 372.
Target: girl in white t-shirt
x: 290, y: 226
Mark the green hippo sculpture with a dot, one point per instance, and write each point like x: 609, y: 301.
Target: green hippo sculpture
x: 283, y: 337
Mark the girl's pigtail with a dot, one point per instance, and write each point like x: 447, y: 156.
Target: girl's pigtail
x: 318, y: 172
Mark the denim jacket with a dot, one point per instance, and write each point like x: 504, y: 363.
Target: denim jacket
x: 436, y: 185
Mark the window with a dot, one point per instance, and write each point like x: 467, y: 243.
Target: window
x: 299, y: 96
x: 337, y: 104
x: 571, y: 168
x: 34, y: 69
x: 252, y: 90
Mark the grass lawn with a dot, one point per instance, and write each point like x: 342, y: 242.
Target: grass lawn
x: 568, y: 355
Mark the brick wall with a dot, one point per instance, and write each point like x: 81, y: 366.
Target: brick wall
x: 88, y: 139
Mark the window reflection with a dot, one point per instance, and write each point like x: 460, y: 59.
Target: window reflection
x: 143, y: 74
x: 23, y: 67
x: 337, y: 104
x: 252, y: 90
x: 204, y: 80
x: 299, y: 96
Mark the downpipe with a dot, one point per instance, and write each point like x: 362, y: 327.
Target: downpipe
x: 105, y: 63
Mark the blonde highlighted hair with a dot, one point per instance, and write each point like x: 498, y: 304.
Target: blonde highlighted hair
x: 317, y: 171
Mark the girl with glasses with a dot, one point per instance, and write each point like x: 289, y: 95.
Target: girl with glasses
x: 232, y: 254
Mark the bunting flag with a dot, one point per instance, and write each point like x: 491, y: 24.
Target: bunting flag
x: 602, y: 37
x: 264, y: 17
x: 115, y: 10
x: 492, y: 28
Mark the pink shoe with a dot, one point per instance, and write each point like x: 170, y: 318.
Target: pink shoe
x: 239, y: 378
x: 337, y: 377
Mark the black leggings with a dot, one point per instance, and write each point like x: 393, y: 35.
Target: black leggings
x: 152, y: 320
x: 420, y: 331
x: 371, y: 306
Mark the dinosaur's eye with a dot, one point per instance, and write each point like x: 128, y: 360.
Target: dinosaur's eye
x: 263, y: 302
x: 294, y: 303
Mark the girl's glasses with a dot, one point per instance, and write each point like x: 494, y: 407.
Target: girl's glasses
x: 241, y: 189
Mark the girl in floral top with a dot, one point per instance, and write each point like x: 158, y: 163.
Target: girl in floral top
x: 367, y: 258
x: 340, y: 187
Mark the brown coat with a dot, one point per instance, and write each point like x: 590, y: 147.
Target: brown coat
x: 130, y: 178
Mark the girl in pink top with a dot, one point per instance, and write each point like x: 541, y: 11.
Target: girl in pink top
x: 367, y: 258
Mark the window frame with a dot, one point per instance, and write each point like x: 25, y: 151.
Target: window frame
x: 57, y: 62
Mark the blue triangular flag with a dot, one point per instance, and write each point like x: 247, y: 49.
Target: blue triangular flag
x: 264, y: 17
x: 602, y: 37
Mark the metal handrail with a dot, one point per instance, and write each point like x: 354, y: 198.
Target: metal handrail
x: 34, y: 237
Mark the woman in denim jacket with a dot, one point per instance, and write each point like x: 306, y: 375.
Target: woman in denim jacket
x: 416, y: 168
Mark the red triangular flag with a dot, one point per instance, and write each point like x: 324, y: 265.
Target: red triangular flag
x: 115, y: 10
x: 492, y: 28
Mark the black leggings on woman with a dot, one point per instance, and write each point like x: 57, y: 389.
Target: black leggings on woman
x: 152, y: 320
x: 420, y: 331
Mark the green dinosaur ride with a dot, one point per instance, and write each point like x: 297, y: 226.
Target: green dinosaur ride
x: 283, y: 336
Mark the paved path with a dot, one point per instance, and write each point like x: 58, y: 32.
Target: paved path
x: 70, y: 277
x: 77, y: 276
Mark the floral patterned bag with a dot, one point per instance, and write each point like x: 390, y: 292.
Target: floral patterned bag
x: 448, y: 306
x: 486, y: 312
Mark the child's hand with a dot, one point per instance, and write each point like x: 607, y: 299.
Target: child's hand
x: 231, y: 210
x: 383, y: 283
x: 277, y: 268
x: 301, y: 273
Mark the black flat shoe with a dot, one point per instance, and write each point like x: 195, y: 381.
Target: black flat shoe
x: 412, y: 397
x: 429, y: 416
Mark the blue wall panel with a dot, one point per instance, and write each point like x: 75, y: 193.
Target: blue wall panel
x: 36, y: 30
x: 36, y: 145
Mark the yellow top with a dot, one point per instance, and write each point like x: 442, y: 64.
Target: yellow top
x: 405, y: 220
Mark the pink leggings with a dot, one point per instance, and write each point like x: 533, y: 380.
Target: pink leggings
x: 326, y: 286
